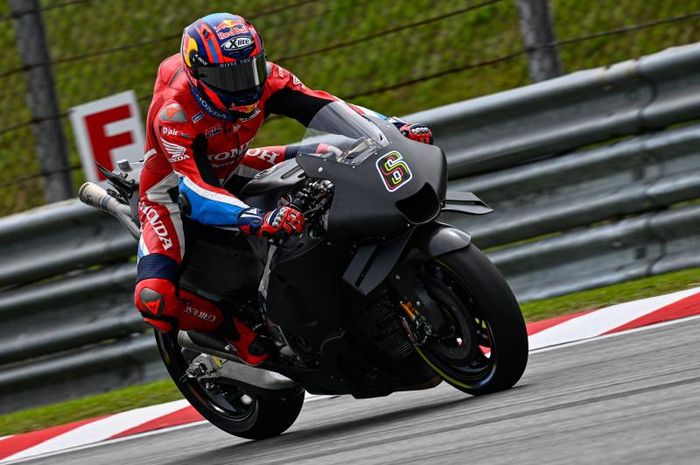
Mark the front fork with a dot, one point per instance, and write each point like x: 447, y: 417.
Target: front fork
x: 416, y: 326
x: 421, y: 317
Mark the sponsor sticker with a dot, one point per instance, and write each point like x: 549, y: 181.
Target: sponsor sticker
x: 208, y: 108
x: 174, y: 132
x: 237, y: 43
x: 201, y: 314
x: 158, y: 227
x: 176, y: 152
x: 394, y: 171
x: 212, y: 131
x: 253, y: 115
x: 198, y: 116
x: 270, y: 156
x: 226, y: 24
x: 228, y: 28
x: 281, y: 72
x: 222, y: 159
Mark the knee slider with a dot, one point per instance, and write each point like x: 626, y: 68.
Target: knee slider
x: 155, y: 296
x: 156, y: 299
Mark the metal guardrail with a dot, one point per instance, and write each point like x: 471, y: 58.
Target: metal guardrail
x: 642, y: 246
x: 581, y: 188
x: 81, y: 372
x: 56, y: 239
x: 587, y: 218
x: 563, y: 114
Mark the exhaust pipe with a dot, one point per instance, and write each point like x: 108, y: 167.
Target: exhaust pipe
x: 235, y: 370
x: 95, y: 196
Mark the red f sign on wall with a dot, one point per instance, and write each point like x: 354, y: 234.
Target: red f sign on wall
x: 107, y: 130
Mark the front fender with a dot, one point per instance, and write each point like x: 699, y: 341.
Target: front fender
x: 430, y: 241
x: 435, y: 239
x: 372, y: 263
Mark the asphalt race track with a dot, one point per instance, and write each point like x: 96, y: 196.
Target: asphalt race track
x: 632, y: 398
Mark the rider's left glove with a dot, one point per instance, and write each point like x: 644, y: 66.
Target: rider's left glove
x: 418, y: 132
x: 279, y: 223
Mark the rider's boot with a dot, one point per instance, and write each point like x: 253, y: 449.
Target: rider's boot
x: 166, y: 309
x: 250, y: 346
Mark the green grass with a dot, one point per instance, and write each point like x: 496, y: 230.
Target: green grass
x: 605, y: 296
x: 165, y: 391
x: 93, y: 45
x: 89, y: 407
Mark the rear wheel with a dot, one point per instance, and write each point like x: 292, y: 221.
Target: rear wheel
x: 230, y: 407
x: 479, y: 341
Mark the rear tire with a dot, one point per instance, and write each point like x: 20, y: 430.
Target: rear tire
x: 484, y: 318
x: 265, y: 417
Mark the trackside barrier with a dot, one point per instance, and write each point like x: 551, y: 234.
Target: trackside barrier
x: 563, y: 114
x: 568, y: 217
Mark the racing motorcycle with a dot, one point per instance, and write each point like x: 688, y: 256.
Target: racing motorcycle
x: 376, y: 296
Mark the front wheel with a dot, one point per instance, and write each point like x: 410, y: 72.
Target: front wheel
x: 229, y: 407
x: 479, y: 341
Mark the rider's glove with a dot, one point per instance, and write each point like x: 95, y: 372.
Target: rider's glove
x: 418, y: 132
x: 278, y: 223
x: 283, y: 221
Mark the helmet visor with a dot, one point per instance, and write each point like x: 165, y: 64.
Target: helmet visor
x: 235, y: 77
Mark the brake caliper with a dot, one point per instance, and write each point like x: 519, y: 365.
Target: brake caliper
x: 416, y: 325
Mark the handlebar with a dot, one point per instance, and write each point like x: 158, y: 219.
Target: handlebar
x: 95, y: 196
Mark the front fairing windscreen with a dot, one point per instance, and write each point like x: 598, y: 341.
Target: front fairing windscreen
x: 344, y: 134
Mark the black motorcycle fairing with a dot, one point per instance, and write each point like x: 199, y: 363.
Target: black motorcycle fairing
x: 221, y: 262
x: 372, y: 263
x: 319, y: 316
x: 265, y: 189
x: 363, y: 206
x: 304, y: 294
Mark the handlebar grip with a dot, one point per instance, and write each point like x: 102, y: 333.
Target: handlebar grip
x: 95, y: 196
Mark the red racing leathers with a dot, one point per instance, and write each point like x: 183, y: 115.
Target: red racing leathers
x: 193, y: 149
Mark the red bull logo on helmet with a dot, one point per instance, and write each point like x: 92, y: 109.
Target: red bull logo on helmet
x: 228, y: 28
x: 227, y: 24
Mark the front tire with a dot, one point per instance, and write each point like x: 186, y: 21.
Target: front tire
x: 231, y: 408
x: 481, y: 346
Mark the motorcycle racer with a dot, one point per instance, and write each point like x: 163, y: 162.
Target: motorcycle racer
x: 208, y: 104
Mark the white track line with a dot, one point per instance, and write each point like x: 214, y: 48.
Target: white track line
x: 101, y: 429
x: 601, y: 321
x: 90, y: 444
x: 319, y: 397
x: 621, y: 333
